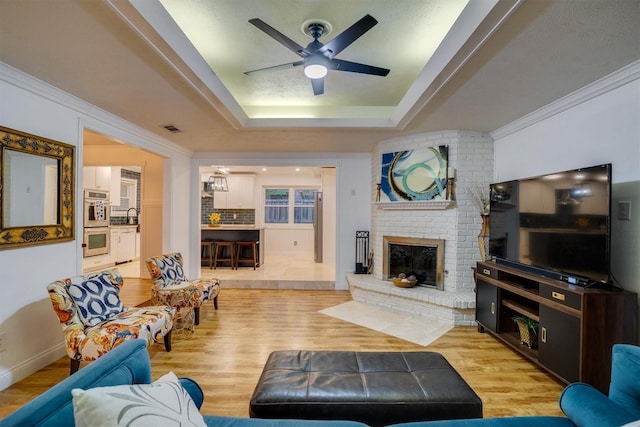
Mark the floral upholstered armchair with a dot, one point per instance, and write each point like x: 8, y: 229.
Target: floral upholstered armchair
x: 95, y: 321
x: 167, y: 272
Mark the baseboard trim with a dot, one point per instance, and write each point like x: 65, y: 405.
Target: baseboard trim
x: 28, y: 367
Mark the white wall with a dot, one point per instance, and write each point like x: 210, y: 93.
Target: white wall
x: 329, y: 215
x: 577, y: 132
x: 598, y: 124
x: 33, y: 336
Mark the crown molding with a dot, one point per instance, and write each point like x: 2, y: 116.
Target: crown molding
x: 91, y: 116
x: 606, y: 84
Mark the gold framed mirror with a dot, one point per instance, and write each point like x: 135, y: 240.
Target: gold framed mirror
x: 36, y: 190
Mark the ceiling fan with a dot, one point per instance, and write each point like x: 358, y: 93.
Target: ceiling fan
x: 318, y: 58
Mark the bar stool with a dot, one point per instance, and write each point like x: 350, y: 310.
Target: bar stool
x: 219, y: 254
x: 206, y: 253
x: 254, y: 253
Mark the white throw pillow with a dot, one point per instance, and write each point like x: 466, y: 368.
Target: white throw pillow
x: 163, y: 403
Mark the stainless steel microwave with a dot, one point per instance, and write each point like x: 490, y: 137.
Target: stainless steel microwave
x: 97, y: 209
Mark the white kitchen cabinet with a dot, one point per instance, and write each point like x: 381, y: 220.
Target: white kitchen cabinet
x: 220, y: 200
x: 97, y: 177
x: 103, y: 178
x: 241, y: 192
x: 114, y: 191
x: 113, y: 248
x: 123, y: 244
x: 94, y: 263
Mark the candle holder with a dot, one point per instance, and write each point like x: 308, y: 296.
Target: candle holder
x: 451, y: 189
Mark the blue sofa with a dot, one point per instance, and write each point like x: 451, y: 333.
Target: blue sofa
x: 129, y: 363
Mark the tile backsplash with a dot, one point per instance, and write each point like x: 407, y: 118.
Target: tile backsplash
x: 229, y: 216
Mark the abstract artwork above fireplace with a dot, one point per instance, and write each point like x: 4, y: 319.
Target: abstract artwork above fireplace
x: 414, y: 175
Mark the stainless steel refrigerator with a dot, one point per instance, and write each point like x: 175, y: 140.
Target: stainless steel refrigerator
x: 317, y: 227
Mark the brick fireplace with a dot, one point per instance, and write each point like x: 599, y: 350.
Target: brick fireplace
x: 422, y: 258
x: 454, y: 223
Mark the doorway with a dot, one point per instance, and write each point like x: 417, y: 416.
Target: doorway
x: 142, y: 173
x: 280, y: 201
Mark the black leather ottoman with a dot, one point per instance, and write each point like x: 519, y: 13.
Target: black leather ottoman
x: 376, y: 388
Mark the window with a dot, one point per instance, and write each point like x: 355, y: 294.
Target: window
x: 127, y: 193
x: 128, y: 197
x: 276, y: 206
x: 303, y: 207
x: 282, y: 204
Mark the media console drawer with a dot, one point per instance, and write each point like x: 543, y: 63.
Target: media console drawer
x: 484, y: 270
x: 561, y: 296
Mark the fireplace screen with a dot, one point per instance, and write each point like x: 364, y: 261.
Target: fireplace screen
x: 419, y: 257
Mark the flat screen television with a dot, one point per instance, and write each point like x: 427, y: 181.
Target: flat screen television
x: 557, y: 225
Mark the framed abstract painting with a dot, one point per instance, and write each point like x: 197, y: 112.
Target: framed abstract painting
x: 414, y: 175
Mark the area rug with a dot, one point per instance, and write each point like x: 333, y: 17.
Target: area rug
x: 413, y: 329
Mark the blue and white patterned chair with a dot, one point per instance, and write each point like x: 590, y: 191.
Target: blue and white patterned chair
x: 167, y: 272
x: 95, y: 321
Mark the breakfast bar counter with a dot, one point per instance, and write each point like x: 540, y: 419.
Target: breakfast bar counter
x: 235, y: 233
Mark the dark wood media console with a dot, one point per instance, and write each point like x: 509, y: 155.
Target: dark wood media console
x: 577, y: 326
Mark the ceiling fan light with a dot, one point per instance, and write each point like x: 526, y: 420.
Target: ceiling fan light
x: 315, y: 71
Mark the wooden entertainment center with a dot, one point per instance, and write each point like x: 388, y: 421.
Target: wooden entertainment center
x: 577, y: 325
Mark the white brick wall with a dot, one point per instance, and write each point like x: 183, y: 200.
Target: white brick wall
x: 471, y: 154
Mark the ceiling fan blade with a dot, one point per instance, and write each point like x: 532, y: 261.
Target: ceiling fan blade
x: 354, y: 67
x: 318, y: 86
x: 281, y: 38
x: 276, y: 67
x: 348, y: 36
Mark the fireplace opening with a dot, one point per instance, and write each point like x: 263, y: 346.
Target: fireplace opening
x: 422, y: 258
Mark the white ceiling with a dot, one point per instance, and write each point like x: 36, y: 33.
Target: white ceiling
x: 117, y: 56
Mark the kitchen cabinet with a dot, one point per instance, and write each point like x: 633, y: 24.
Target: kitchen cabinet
x: 113, y: 249
x: 243, y: 195
x: 103, y: 178
x: 123, y: 244
x: 577, y: 325
x: 114, y: 190
x: 97, y: 177
x: 240, y: 195
x: 235, y: 233
x: 95, y: 263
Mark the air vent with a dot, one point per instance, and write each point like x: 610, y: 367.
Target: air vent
x: 172, y: 128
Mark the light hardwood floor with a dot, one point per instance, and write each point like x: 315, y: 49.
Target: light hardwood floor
x: 228, y: 350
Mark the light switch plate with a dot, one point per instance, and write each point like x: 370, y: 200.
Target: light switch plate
x: 624, y: 210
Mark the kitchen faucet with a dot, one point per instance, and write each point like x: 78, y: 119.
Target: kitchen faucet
x: 130, y: 220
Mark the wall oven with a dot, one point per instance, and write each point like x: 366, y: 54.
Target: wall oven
x: 97, y: 227
x: 97, y: 210
x: 96, y: 241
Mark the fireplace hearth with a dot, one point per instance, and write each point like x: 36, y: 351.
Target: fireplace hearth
x: 422, y: 258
